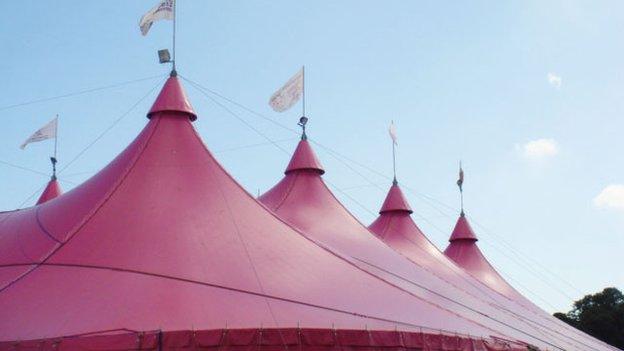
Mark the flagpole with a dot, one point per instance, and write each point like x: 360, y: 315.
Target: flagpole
x: 54, y: 160
x: 394, y: 180
x: 461, y: 189
x: 303, y: 93
x: 461, y: 197
x: 56, y: 136
x: 174, y: 37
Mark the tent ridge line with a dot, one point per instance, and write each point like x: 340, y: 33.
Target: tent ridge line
x: 191, y: 281
x: 90, y: 215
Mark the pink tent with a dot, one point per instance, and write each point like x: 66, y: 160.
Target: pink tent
x: 51, y: 191
x: 162, y: 249
x: 302, y: 199
x: 396, y: 228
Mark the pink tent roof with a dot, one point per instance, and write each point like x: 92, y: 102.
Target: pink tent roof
x: 397, y: 229
x: 51, y: 191
x: 164, y: 239
x: 302, y: 199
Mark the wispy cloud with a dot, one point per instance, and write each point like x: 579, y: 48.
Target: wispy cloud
x: 554, y: 80
x: 539, y: 149
x: 611, y: 197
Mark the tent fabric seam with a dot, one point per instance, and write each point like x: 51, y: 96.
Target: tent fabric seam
x: 191, y: 281
x: 74, y: 231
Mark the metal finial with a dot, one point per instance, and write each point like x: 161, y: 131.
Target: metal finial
x: 54, y: 161
x: 460, y: 184
x: 302, y: 123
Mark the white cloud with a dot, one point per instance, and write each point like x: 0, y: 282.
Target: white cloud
x: 611, y: 197
x: 554, y: 80
x: 540, y: 149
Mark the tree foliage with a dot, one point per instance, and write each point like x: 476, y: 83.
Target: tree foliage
x: 600, y: 315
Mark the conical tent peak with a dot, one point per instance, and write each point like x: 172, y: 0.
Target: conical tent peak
x: 462, y: 230
x: 395, y: 200
x: 51, y: 191
x: 304, y: 158
x: 172, y: 98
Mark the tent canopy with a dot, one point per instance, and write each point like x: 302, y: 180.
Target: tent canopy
x: 164, y: 239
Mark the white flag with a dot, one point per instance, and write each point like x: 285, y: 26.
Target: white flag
x: 46, y: 132
x: 164, y: 10
x: 393, y: 134
x: 289, y: 94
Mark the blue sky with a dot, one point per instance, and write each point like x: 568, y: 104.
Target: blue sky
x: 528, y: 94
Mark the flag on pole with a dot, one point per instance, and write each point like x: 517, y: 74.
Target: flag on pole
x: 46, y: 132
x: 460, y: 181
x: 289, y: 94
x: 164, y: 10
x: 393, y: 133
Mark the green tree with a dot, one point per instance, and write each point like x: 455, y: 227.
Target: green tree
x: 600, y: 315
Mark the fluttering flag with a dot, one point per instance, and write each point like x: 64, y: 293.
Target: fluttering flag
x: 46, y: 132
x: 393, y: 133
x: 164, y: 10
x: 289, y: 94
x: 460, y: 181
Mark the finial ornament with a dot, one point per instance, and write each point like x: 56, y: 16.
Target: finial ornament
x: 393, y: 136
x: 54, y: 161
x: 302, y: 123
x: 460, y: 183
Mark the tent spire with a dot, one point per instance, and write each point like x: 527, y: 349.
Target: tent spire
x: 302, y: 123
x: 393, y: 136
x: 53, y: 159
x: 303, y: 120
x: 173, y: 62
x: 460, y: 183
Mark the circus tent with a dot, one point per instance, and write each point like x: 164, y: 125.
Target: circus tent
x: 302, y: 199
x: 162, y: 249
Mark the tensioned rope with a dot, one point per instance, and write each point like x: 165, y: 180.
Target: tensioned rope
x: 115, y: 122
x: 34, y: 171
x: 219, y: 151
x: 111, y: 126
x: 232, y: 113
x: 76, y: 93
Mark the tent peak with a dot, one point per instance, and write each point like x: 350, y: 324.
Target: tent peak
x: 304, y: 158
x: 172, y: 98
x: 395, y: 200
x: 462, y: 230
x: 51, y: 191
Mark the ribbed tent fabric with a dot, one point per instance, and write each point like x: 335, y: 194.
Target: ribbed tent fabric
x: 162, y: 249
x: 51, y: 191
x: 302, y: 199
x: 395, y: 227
